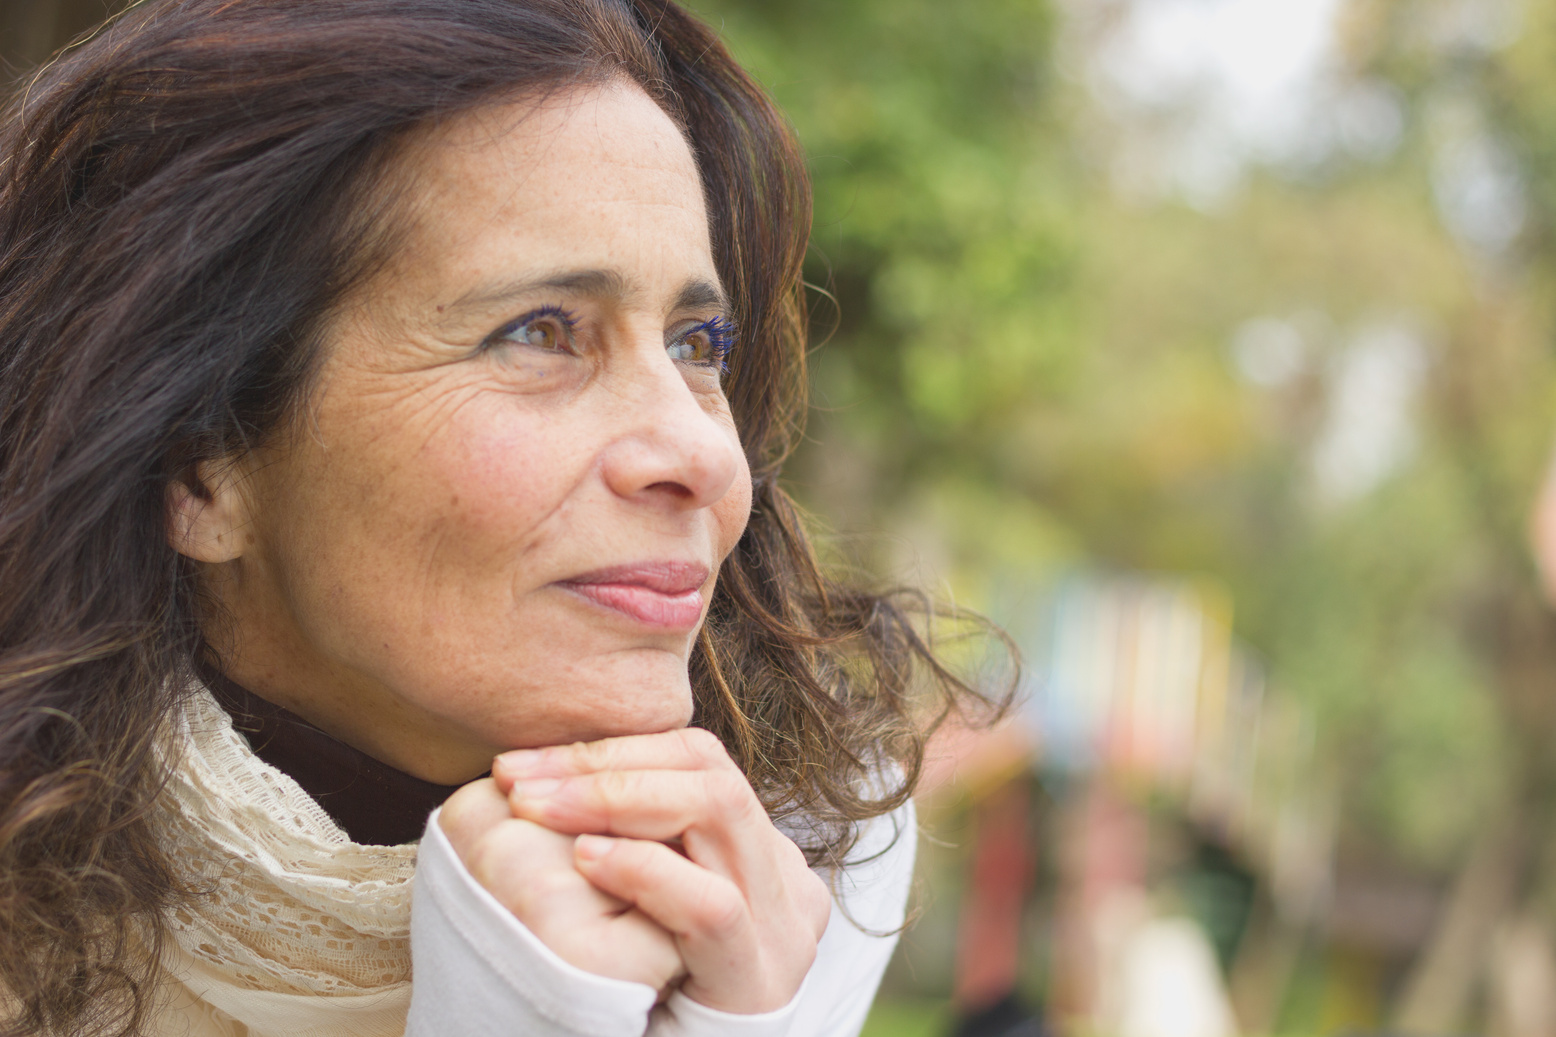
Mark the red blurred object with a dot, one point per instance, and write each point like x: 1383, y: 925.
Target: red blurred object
x: 989, y: 933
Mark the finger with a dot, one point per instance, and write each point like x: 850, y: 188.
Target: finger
x: 689, y: 901
x: 471, y: 812
x: 635, y: 948
x: 710, y: 919
x: 716, y: 808
x: 531, y: 872
x: 690, y: 748
x: 529, y: 869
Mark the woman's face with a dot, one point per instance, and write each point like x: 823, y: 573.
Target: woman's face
x: 500, y: 520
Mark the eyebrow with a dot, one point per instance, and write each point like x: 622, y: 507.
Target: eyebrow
x: 696, y: 293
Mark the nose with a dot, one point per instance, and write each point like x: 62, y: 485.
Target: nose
x: 669, y: 449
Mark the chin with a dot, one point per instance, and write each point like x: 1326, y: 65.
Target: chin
x: 651, y: 723
x: 607, y: 706
x: 648, y: 713
x: 640, y: 692
x: 604, y: 723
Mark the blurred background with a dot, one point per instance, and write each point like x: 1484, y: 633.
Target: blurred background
x: 1207, y: 346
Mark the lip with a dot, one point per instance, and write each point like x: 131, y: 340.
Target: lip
x: 665, y: 594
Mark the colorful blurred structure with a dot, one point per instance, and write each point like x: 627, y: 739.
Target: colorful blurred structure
x: 1143, y: 722
x: 1150, y: 848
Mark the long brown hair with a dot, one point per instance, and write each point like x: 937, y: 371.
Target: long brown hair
x: 183, y: 200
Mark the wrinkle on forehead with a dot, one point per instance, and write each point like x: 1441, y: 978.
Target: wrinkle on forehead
x: 495, y: 153
x: 530, y: 132
x: 608, y: 284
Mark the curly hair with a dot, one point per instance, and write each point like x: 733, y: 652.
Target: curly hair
x: 184, y: 201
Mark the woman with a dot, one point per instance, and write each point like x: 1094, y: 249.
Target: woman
x: 391, y: 386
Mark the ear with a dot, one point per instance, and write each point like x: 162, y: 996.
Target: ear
x: 208, y: 514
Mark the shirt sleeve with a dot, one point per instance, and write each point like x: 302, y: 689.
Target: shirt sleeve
x: 869, y: 906
x: 479, y: 971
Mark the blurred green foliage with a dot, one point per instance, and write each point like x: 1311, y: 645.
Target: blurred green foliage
x: 1028, y: 371
x: 1031, y: 372
x: 907, y: 1018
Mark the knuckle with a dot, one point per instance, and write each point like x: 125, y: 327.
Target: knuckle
x: 479, y: 862
x: 528, y: 870
x: 591, y: 756
x: 491, y: 853
x: 729, y: 795
x: 704, y: 746
x: 797, y: 945
x: 511, y: 848
x: 791, y: 857
x: 549, y: 885
x: 470, y: 812
x: 720, y: 912
x: 613, y: 786
x: 534, y: 899
x: 610, y: 793
x: 489, y: 865
x: 456, y: 819
x: 818, y: 904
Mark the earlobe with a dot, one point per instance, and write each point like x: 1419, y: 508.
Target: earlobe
x: 207, y: 515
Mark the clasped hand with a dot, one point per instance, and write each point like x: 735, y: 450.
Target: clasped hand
x: 646, y: 858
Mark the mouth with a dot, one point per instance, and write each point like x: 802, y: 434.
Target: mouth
x: 665, y: 594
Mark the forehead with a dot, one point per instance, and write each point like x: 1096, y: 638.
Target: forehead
x: 596, y: 176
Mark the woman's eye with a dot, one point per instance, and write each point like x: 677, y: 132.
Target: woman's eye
x: 707, y: 343
x: 549, y: 330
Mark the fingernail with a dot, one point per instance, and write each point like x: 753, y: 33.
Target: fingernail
x: 519, y: 761
x: 592, y: 847
x: 536, y: 788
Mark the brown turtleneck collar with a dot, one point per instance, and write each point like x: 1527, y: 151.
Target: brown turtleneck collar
x: 374, y: 803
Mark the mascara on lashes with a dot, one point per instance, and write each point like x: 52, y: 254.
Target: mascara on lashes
x: 721, y: 332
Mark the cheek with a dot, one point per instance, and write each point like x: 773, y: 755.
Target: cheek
x: 733, y: 513
x: 501, y: 477
x: 435, y: 492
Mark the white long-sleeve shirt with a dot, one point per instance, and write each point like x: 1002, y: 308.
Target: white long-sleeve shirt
x: 303, y: 933
x: 479, y: 972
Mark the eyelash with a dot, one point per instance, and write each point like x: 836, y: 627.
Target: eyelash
x: 721, y: 339
x: 721, y: 333
x: 566, y: 319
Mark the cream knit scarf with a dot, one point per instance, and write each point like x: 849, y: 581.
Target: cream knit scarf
x: 303, y: 932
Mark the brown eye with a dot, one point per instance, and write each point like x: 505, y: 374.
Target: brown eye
x: 548, y: 330
x: 707, y: 343
x: 542, y: 334
x: 695, y: 347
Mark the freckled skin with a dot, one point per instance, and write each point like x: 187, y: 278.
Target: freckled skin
x: 397, y: 583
